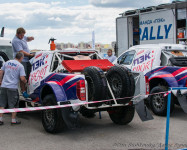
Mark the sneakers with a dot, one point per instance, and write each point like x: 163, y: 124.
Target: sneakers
x: 12, y: 123
x: 25, y: 95
x: 15, y: 123
x: 1, y: 123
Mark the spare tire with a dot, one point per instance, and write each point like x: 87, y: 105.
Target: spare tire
x: 121, y: 82
x: 132, y: 82
x: 97, y: 84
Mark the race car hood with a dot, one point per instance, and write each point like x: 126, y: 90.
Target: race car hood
x: 79, y: 65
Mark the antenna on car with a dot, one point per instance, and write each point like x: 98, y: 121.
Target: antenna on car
x: 93, y: 40
x: 2, y: 31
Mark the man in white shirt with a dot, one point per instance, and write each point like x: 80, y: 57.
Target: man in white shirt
x: 19, y: 44
x: 110, y: 56
x: 10, y: 75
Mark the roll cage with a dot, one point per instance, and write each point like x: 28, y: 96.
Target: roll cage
x: 58, y: 57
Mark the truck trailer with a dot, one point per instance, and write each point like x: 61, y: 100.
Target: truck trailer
x: 165, y: 23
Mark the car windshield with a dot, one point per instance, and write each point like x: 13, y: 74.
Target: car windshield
x: 7, y: 50
x: 126, y: 58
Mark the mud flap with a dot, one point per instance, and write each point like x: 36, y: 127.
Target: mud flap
x: 143, y: 111
x: 182, y: 99
x: 70, y: 117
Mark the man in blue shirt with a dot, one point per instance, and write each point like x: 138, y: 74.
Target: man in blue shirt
x: 110, y: 56
x: 10, y: 75
x: 19, y: 44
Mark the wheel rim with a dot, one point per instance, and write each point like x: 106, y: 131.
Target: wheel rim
x: 49, y: 117
x: 116, y: 84
x: 158, y: 102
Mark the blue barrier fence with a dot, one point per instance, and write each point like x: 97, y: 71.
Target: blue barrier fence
x: 168, y: 113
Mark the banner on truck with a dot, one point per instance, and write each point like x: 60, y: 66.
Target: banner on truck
x: 157, y: 27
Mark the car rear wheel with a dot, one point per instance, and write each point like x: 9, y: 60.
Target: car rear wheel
x: 52, y: 119
x: 122, y: 115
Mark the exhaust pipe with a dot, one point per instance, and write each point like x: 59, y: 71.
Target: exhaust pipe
x: 2, y: 31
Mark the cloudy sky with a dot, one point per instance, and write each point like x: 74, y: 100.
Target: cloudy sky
x: 66, y: 20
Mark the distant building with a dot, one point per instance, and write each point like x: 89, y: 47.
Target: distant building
x: 113, y: 44
x: 83, y: 45
x: 61, y: 46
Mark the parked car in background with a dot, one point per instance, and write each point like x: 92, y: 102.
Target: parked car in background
x: 164, y: 66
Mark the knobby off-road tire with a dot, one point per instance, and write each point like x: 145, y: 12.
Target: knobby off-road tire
x: 132, y: 82
x: 87, y: 113
x: 52, y: 119
x: 122, y: 115
x: 121, y: 82
x: 158, y: 103
x: 97, y: 85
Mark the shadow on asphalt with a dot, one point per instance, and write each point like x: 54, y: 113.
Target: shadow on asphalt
x: 178, y: 113
x: 95, y: 124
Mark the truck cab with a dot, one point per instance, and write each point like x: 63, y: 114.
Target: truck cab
x: 6, y: 52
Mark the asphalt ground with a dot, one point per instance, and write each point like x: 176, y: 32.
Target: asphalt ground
x: 94, y: 134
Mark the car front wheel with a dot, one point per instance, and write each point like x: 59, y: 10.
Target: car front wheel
x: 158, y: 103
x: 51, y: 118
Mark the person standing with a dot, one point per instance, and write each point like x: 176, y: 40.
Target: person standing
x: 110, y: 56
x: 19, y: 44
x: 10, y: 75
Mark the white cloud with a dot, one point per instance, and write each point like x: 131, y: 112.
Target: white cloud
x: 127, y: 3
x: 55, y: 19
x: 57, y: 3
x: 66, y: 24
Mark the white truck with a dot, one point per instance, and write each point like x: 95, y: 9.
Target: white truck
x: 164, y: 23
x: 164, y: 66
x: 5, y: 49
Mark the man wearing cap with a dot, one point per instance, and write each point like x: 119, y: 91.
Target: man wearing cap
x: 10, y: 75
x: 19, y: 44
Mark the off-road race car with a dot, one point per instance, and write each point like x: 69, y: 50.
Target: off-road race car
x: 164, y: 66
x: 75, y: 76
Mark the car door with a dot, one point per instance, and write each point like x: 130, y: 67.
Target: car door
x: 143, y: 61
x: 126, y: 58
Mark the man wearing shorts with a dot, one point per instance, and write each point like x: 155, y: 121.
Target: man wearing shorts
x: 19, y: 44
x: 10, y: 75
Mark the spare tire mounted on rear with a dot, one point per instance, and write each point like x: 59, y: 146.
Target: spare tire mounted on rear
x: 121, y: 82
x: 97, y: 85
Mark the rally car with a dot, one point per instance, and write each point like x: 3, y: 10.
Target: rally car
x: 84, y: 80
x: 75, y: 76
x: 164, y: 66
